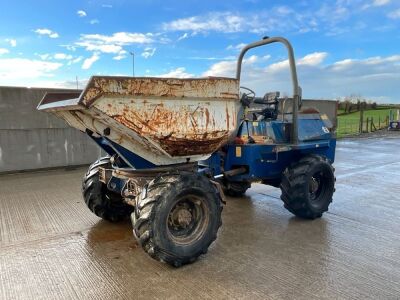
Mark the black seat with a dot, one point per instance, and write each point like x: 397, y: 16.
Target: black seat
x: 271, y: 104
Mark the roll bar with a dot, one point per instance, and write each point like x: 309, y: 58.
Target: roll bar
x: 295, y: 83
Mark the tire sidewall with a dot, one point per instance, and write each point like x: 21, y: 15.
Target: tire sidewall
x: 160, y: 228
x: 329, y: 182
x: 101, y: 201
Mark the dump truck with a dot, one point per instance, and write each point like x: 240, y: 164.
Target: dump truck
x: 177, y: 146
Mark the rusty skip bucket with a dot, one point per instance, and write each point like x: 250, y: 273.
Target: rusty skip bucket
x: 163, y: 120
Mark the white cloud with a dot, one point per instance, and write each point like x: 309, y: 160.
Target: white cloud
x: 121, y: 55
x: 183, y: 36
x: 222, y: 22
x: 375, y: 3
x: 113, y: 43
x: 88, y: 62
x: 58, y: 56
x: 75, y: 60
x: 312, y: 59
x: 120, y: 38
x: 236, y: 47
x: 259, y: 22
x: 330, y: 17
x: 94, y: 21
x: 332, y: 14
x: 44, y: 56
x: 106, y: 6
x: 251, y: 59
x: 4, y: 51
x: 105, y: 48
x: 371, y: 62
x: 380, y: 2
x: 12, y: 42
x: 48, y: 32
x: 266, y: 57
x: 81, y: 13
x: 177, y: 73
x: 373, y: 77
x: 62, y: 56
x: 278, y: 66
x: 222, y: 69
x: 394, y: 14
x: 68, y: 47
x: 227, y: 68
x: 283, y: 10
x: 148, y: 52
x: 22, y: 68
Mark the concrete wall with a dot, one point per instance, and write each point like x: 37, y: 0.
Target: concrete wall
x: 30, y: 139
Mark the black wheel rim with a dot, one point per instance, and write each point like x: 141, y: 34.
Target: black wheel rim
x: 188, y: 219
x: 317, y: 187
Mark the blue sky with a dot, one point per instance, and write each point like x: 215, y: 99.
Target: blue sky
x: 343, y: 47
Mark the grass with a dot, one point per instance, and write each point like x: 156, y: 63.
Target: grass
x: 349, y: 123
x: 374, y: 113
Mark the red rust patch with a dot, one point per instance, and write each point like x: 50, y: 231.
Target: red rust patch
x: 194, y: 146
x: 166, y: 127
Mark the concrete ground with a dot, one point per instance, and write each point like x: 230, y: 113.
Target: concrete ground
x: 51, y: 246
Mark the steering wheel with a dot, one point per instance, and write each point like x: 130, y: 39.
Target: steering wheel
x: 248, y: 97
x: 250, y: 92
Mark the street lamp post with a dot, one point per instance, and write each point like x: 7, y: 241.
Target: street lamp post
x: 133, y: 63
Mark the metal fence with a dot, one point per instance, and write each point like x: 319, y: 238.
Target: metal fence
x: 361, y: 124
x: 348, y: 126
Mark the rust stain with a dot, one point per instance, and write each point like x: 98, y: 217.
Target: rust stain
x: 216, y: 88
x: 177, y: 132
x: 207, y: 117
x: 227, y: 117
x: 192, y: 146
x: 229, y: 95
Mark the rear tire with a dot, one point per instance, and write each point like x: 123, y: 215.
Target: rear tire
x: 102, y: 202
x: 307, y: 187
x: 177, y: 217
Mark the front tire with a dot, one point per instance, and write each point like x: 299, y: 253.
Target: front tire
x: 101, y: 201
x: 307, y: 187
x: 177, y: 217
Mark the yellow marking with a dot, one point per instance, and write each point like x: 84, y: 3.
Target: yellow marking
x: 255, y: 124
x: 238, y: 151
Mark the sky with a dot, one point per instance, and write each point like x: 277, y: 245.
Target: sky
x: 342, y: 47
